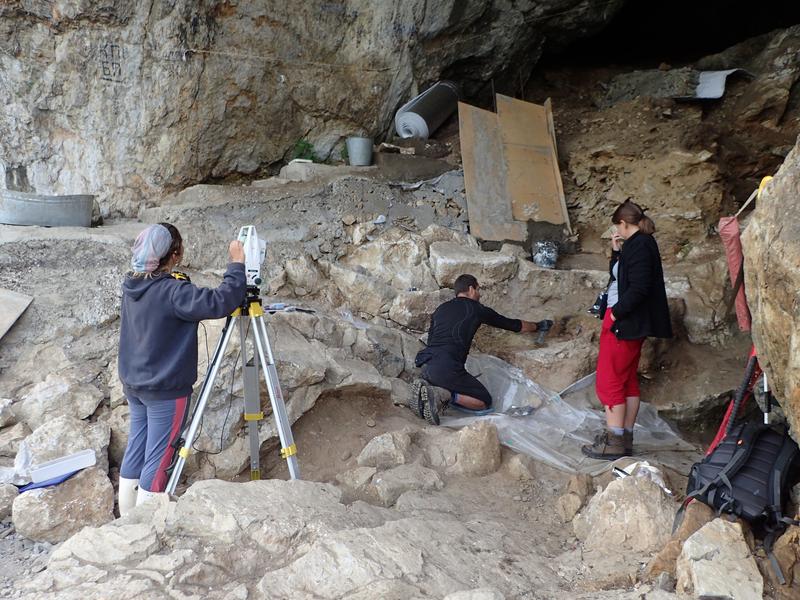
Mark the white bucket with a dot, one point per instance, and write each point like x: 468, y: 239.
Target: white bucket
x: 359, y: 151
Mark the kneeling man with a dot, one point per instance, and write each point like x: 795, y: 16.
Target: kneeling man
x: 453, y: 325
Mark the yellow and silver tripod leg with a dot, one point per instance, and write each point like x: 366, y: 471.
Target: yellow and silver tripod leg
x: 288, y: 448
x: 252, y: 403
x: 197, y: 418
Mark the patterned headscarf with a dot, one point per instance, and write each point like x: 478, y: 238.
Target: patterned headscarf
x: 150, y: 247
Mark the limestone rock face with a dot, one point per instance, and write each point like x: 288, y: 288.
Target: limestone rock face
x: 141, y: 99
x: 307, y: 542
x: 398, y: 258
x: 413, y: 309
x: 630, y: 513
x: 53, y: 514
x: 716, y: 562
x: 771, y: 245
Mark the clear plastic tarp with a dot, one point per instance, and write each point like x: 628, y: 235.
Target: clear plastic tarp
x: 561, y: 422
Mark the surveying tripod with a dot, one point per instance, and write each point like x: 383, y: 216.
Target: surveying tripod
x: 250, y: 309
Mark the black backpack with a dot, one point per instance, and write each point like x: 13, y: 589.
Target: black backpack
x: 748, y: 475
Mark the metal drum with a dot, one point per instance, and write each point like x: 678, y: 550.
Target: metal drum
x: 20, y: 208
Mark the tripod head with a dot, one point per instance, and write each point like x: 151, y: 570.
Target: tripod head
x: 255, y: 251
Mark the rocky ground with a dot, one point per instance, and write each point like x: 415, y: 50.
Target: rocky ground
x: 391, y: 508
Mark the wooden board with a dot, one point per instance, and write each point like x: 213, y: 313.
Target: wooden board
x: 12, y: 305
x: 533, y: 179
x: 485, y: 177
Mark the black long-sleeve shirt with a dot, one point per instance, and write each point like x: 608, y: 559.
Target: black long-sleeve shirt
x: 453, y: 325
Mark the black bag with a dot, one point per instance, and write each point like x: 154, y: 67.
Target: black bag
x: 598, y: 309
x: 749, y: 475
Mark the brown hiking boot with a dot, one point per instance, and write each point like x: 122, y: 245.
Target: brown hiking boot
x: 607, y: 446
x: 627, y: 439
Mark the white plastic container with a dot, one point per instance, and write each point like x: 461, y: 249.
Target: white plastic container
x: 62, y: 466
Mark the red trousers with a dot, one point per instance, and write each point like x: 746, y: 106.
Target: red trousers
x: 617, y: 364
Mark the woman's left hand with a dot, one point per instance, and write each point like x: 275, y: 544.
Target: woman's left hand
x: 613, y: 318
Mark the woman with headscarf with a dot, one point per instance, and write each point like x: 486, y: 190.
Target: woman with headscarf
x: 158, y: 352
x: 637, y: 308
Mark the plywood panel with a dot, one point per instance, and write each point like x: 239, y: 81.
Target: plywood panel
x: 534, y: 182
x: 12, y: 305
x: 485, y: 177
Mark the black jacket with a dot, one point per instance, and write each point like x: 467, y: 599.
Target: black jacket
x: 642, y: 309
x: 453, y: 325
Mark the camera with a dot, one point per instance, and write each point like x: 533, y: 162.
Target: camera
x: 598, y: 309
x: 255, y: 251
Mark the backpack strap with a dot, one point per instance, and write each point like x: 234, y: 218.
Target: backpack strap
x: 776, y: 521
x: 741, y: 392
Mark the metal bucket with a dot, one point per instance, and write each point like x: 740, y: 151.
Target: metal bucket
x: 359, y: 151
x: 20, y: 208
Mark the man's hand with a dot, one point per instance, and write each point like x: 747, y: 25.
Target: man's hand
x: 236, y: 251
x: 613, y: 318
x: 531, y: 327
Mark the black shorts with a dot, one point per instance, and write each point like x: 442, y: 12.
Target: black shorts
x: 454, y: 377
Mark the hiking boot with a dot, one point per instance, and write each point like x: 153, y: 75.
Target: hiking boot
x: 606, y: 446
x: 415, y: 397
x: 627, y: 439
x: 434, y: 401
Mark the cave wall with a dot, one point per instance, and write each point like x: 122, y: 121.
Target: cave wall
x: 130, y: 99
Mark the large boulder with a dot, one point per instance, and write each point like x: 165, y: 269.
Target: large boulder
x: 11, y: 438
x: 386, y: 450
x: 391, y: 484
x: 772, y: 252
x: 55, y: 513
x: 477, y: 450
x: 61, y: 437
x: 8, y: 493
x: 451, y: 259
x: 140, y: 100
x: 630, y: 514
x: 695, y: 516
x: 56, y: 396
x: 716, y: 562
x: 6, y: 413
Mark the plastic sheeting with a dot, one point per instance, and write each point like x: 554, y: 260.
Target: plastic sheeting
x: 424, y: 114
x: 562, y: 422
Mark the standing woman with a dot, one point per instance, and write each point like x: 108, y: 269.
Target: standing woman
x: 637, y: 308
x: 158, y: 352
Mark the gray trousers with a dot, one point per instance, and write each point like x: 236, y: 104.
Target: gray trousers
x: 154, y: 427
